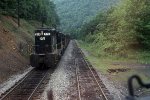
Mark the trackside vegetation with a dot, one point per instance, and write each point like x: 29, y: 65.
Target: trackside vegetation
x: 123, y: 30
x: 117, y: 41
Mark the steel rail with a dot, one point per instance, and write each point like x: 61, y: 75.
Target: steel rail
x: 23, y: 80
x: 37, y: 85
x: 16, y: 85
x: 103, y: 93
x: 77, y: 78
x: 97, y: 83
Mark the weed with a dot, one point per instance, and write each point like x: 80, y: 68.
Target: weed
x: 105, y: 62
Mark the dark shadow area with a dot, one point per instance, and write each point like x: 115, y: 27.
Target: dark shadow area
x: 50, y: 95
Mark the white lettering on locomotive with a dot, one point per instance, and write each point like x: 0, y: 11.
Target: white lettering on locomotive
x: 41, y: 34
x: 42, y: 38
x: 47, y: 34
x: 37, y: 34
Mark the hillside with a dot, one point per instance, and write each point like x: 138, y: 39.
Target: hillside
x: 16, y: 40
x: 13, y: 46
x: 117, y: 43
x: 121, y: 30
x: 74, y: 13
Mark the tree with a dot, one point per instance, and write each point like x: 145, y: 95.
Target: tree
x: 124, y: 28
x: 40, y: 10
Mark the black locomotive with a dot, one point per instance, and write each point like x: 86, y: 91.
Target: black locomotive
x: 50, y: 45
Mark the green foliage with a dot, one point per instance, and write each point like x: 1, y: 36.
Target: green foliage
x: 94, y: 25
x: 75, y: 13
x: 121, y: 29
x: 40, y: 10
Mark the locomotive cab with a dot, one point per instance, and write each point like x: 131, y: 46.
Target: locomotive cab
x: 45, y: 46
x: 44, y: 40
x: 48, y: 49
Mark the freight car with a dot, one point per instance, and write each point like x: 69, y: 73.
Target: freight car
x: 49, y: 47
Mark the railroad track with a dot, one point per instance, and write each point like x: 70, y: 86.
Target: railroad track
x: 89, y: 85
x: 27, y: 88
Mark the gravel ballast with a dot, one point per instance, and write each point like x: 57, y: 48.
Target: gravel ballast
x: 60, y: 79
x: 12, y: 81
x: 62, y: 82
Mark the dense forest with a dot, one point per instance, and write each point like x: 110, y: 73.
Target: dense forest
x: 75, y: 13
x: 121, y: 29
x: 40, y: 10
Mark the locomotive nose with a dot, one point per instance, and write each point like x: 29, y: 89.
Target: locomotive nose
x: 49, y: 47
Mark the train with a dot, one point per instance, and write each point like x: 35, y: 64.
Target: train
x: 49, y: 47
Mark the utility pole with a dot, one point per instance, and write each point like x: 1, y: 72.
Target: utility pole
x: 18, y: 13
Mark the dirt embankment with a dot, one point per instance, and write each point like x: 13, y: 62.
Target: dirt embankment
x: 12, y: 59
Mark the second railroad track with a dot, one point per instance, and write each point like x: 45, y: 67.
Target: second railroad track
x: 26, y: 88
x: 89, y: 84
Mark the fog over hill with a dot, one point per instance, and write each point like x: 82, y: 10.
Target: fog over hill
x: 74, y: 13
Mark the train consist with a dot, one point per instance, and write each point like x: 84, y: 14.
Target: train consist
x: 50, y: 45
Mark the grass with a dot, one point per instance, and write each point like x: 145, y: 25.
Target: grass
x: 144, y: 57
x: 105, y: 62
x: 26, y: 27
